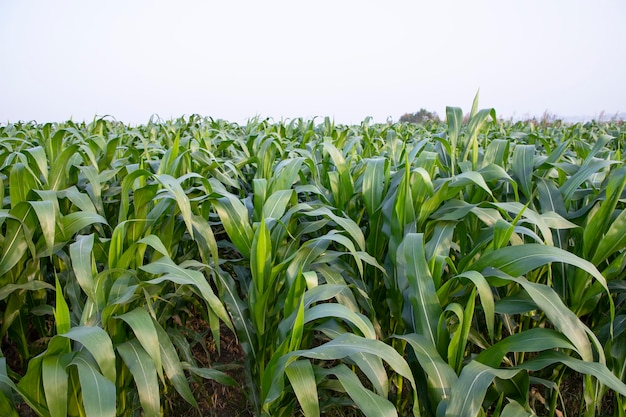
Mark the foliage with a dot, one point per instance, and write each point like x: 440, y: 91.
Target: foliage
x: 441, y: 270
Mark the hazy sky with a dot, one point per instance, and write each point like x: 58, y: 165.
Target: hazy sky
x: 284, y: 59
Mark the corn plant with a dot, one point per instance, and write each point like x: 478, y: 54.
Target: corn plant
x: 449, y: 269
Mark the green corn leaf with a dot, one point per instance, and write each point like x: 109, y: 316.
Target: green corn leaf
x: 285, y: 174
x: 75, y: 222
x: 140, y: 321
x: 421, y: 291
x: 169, y: 271
x: 213, y: 374
x: 486, y: 298
x: 21, y: 182
x: 598, y: 222
x: 522, y: 165
x: 239, y: 311
x: 38, y: 155
x: 515, y: 409
x: 59, y: 168
x: 454, y: 119
x: 374, y: 369
x: 371, y: 404
x: 261, y: 258
x: 338, y: 311
x: 30, y: 387
x: 61, y: 311
x: 99, y: 344
x: 585, y: 171
x: 470, y: 178
x: 47, y: 216
x: 440, y: 374
x: 174, y: 188
x: 346, y: 223
x: 172, y: 365
x: 613, y: 241
x: 81, y: 256
x: 98, y: 392
x: 234, y: 217
x: 6, y: 406
x: 55, y: 382
x: 9, y: 289
x: 143, y: 369
x: 18, y: 237
x: 518, y: 260
x: 276, y: 204
x: 79, y: 199
x: 595, y: 369
x: 532, y: 340
x: 302, y: 379
x: 345, y: 345
x: 497, y: 153
x: 373, y: 184
x: 470, y: 389
x: 559, y: 314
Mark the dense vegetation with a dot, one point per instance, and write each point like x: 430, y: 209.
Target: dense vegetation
x: 440, y: 269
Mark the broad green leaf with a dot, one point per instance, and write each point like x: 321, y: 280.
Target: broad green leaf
x: 454, y: 120
x: 21, y: 182
x: 559, y: 314
x: 140, y: 321
x: 175, y: 189
x: 59, y: 168
x: 55, y: 383
x: 522, y: 165
x: 373, y: 184
x: 61, y: 311
x: 346, y: 223
x: 470, y: 389
x: 532, y: 340
x: 338, y: 311
x: 276, y: 204
x: 173, y: 367
x: 98, y: 392
x: 595, y: 369
x: 234, y: 217
x: 371, y: 404
x: 169, y: 271
x: 9, y: 289
x: 214, y: 374
x: 47, y: 217
x: 613, y: 241
x: 515, y: 409
x: 421, y: 291
x: 261, y: 259
x: 285, y: 174
x: 486, y: 298
x: 518, y: 260
x: 99, y: 344
x: 440, y: 374
x: 81, y: 256
x: 584, y: 172
x: 345, y: 345
x: 302, y: 379
x: 142, y: 366
x: 76, y: 221
x: 17, y: 239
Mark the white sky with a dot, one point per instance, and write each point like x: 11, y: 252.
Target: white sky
x: 284, y: 59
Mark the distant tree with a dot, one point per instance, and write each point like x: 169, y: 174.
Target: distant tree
x: 420, y: 117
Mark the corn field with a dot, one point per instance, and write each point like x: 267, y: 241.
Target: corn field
x: 468, y: 268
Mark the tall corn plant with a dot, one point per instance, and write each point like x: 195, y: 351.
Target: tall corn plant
x: 117, y: 286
